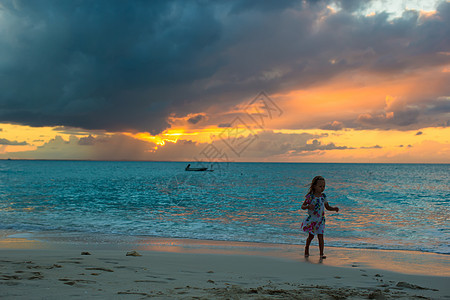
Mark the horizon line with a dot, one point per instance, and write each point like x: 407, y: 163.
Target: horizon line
x: 212, y: 162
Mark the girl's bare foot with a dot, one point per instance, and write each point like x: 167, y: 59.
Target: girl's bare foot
x: 306, y: 251
x: 323, y: 256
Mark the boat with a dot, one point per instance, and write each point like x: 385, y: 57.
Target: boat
x: 188, y: 168
x: 196, y: 169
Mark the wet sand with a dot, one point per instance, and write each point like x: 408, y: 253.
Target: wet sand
x: 193, y: 269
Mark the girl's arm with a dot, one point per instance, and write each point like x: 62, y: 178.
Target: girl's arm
x: 328, y: 207
x: 307, y: 203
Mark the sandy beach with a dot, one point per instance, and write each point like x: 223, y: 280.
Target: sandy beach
x: 183, y: 269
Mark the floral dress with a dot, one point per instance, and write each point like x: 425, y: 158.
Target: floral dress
x: 314, y: 223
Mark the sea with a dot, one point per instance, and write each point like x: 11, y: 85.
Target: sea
x: 381, y: 206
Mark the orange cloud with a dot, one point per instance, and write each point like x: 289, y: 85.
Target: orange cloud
x: 346, y: 98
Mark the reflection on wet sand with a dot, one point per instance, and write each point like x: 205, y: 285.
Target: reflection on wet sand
x: 407, y: 262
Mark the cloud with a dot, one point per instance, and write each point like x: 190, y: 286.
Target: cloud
x: 107, y: 65
x: 441, y: 105
x: 400, y: 118
x: 419, y: 133
x: 90, y: 140
x: 12, y: 143
x: 352, y: 5
x: 194, y: 120
x: 264, y: 6
x: 335, y: 125
x: 403, y: 115
x: 267, y: 145
x: 77, y: 131
x: 115, y: 147
x: 273, y: 145
x: 317, y: 145
x: 127, y: 66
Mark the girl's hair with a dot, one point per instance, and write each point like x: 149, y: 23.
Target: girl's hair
x: 313, y: 183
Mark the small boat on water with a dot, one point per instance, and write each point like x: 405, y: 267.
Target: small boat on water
x: 196, y: 169
x: 188, y: 168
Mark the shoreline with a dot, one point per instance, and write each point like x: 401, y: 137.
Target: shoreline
x: 167, y: 268
x: 111, y: 274
x: 399, y: 261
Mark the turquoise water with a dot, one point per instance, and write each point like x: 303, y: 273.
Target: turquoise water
x: 382, y: 206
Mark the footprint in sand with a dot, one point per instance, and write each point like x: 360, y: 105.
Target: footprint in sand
x: 133, y: 293
x: 36, y: 275
x: 120, y: 267
x: 110, y: 261
x: 403, y: 284
x: 75, y: 281
x: 376, y: 295
x: 10, y: 277
x: 45, y: 267
x: 100, y: 269
x: 152, y: 281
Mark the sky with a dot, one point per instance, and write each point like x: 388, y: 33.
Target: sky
x: 271, y: 81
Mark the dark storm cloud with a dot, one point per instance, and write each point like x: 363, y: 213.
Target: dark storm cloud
x: 101, y: 64
x: 127, y: 65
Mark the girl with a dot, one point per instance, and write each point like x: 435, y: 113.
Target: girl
x: 314, y: 223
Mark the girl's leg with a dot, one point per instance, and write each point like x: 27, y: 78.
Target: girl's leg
x: 308, y: 242
x: 321, y: 245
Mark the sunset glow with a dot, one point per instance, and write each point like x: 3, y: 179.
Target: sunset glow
x: 351, y: 82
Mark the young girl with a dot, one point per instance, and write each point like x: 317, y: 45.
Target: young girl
x: 314, y: 223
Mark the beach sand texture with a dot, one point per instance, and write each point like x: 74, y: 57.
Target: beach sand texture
x: 111, y: 274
